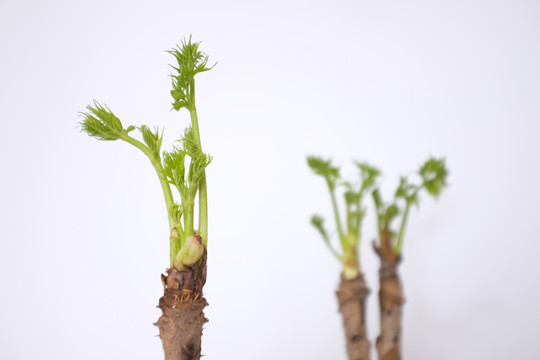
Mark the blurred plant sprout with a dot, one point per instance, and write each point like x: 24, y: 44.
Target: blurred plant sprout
x: 432, y: 175
x: 349, y: 232
x: 353, y: 290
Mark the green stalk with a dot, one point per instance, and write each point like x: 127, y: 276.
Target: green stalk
x: 169, y: 200
x: 358, y: 225
x: 203, y: 194
x: 203, y: 210
x: 332, y: 250
x: 189, y: 205
x: 378, y: 207
x: 336, y: 214
x: 174, y: 243
x: 399, y: 242
x: 350, y: 221
x: 351, y: 265
x: 359, y: 215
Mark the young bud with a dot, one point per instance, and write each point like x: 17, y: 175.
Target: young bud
x: 190, y: 253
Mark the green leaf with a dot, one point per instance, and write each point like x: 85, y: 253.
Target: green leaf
x: 177, y: 105
x: 324, y: 168
x: 434, y: 173
x: 178, y: 94
x: 318, y: 222
x: 351, y: 197
x: 402, y: 190
x: 152, y: 139
x: 407, y: 191
x: 101, y: 123
x: 175, y: 169
x: 368, y: 174
x: 391, y: 212
x: 196, y: 169
x: 189, y: 62
x: 189, y: 143
x: 176, y: 212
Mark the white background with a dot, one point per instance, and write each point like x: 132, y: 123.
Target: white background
x: 84, y: 230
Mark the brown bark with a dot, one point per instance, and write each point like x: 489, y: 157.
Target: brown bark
x: 181, y: 325
x: 390, y: 301
x: 351, y: 297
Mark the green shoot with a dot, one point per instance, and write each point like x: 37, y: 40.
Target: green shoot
x: 331, y: 175
x: 101, y: 123
x: 349, y: 235
x: 183, y: 167
x: 433, y: 174
x: 318, y: 222
x: 190, y: 62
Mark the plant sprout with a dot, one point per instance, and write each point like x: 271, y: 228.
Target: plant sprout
x: 349, y: 233
x: 352, y: 290
x: 432, y: 174
x: 182, y: 168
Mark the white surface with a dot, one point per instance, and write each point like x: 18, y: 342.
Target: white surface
x: 84, y: 232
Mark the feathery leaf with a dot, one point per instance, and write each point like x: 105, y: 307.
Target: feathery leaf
x: 175, y: 169
x: 407, y: 191
x: 189, y: 144
x: 368, y: 174
x: 196, y: 169
x: 190, y: 61
x: 101, y: 123
x: 152, y: 139
x: 324, y: 168
x: 318, y: 222
x: 176, y: 211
